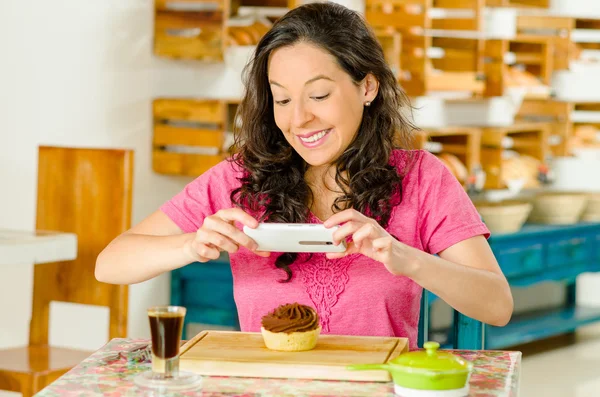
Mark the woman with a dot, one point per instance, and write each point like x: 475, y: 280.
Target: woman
x: 321, y: 117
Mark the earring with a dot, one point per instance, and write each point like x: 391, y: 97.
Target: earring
x: 367, y: 103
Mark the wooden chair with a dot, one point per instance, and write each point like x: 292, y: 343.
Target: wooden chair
x: 467, y: 333
x: 87, y: 192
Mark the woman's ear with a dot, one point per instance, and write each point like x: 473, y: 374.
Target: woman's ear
x: 370, y: 88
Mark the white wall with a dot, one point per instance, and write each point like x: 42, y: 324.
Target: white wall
x: 81, y: 73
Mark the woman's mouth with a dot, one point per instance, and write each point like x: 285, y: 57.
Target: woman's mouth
x: 315, y: 139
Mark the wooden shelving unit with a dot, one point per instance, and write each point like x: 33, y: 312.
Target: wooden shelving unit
x: 438, y: 53
x: 191, y: 29
x: 189, y: 135
x: 557, y: 114
x: 525, y: 138
x: 464, y: 143
x: 542, y: 45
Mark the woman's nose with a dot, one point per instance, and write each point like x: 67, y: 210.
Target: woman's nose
x: 301, y: 115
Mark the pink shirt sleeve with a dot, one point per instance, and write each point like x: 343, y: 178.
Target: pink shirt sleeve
x: 202, y: 197
x: 447, y: 214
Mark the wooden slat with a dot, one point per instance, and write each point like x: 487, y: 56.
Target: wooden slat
x: 518, y: 3
x: 531, y: 39
x: 264, y: 3
x: 532, y: 3
x: 587, y: 106
x: 167, y: 135
x: 525, y: 3
x: 582, y: 23
x: 494, y: 67
x: 189, y: 35
x: 454, y: 43
x: 560, y: 110
x: 454, y: 149
x: 188, y: 48
x: 186, y: 164
x: 472, y: 4
x: 399, y: 20
x: 455, y: 24
x: 529, y: 58
x: 370, y: 3
x: 181, y: 5
x: 491, y: 160
x: 545, y: 22
x: 493, y: 136
x: 203, y: 111
x: 185, y: 20
x: 454, y: 81
x: 547, y: 67
x: 452, y: 131
x: 456, y: 64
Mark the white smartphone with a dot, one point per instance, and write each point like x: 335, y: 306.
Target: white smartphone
x: 294, y: 237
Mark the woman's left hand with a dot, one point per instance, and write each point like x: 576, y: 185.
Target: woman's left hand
x: 370, y: 239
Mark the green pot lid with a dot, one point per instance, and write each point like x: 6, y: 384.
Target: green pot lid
x: 431, y: 360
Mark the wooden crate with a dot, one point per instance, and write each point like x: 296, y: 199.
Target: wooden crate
x: 435, y: 55
x: 590, y: 26
x: 525, y: 138
x: 463, y: 142
x: 558, y: 114
x: 191, y: 29
x: 584, y: 114
x: 542, y: 45
x: 188, y: 136
x: 556, y: 29
x: 391, y: 43
x: 565, y: 117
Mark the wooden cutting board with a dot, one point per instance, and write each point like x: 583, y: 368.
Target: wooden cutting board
x: 244, y: 354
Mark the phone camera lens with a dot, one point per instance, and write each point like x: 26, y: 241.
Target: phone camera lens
x: 329, y: 243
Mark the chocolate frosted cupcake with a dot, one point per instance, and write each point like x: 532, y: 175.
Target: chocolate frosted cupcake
x: 292, y: 327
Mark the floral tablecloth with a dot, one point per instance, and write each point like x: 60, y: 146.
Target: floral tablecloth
x: 110, y: 372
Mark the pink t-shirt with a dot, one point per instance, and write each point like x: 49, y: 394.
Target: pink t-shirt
x: 354, y: 295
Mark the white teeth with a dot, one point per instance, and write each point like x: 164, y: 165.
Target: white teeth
x: 315, y: 137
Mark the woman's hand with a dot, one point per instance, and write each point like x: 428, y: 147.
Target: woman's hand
x: 218, y: 233
x: 370, y: 239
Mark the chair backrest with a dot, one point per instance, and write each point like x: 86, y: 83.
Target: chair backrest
x: 86, y: 192
x: 466, y: 333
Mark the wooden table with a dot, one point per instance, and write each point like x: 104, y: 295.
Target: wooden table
x: 110, y: 372
x: 19, y: 247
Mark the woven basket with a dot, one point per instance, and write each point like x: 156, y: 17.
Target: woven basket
x: 504, y: 216
x: 558, y: 208
x: 592, y: 210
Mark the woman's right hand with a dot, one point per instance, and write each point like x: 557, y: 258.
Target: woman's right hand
x: 218, y: 233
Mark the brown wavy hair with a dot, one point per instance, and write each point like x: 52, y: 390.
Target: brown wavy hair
x: 273, y: 184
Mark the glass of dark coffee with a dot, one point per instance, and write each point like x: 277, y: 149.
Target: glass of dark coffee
x: 166, y: 325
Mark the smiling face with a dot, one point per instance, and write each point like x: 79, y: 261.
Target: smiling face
x: 317, y: 105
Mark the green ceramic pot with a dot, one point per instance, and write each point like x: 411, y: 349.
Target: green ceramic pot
x: 427, y: 369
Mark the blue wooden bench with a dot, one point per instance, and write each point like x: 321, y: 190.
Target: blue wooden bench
x: 540, y: 254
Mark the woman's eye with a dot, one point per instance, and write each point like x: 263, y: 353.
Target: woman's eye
x: 284, y: 102
x: 320, y: 98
